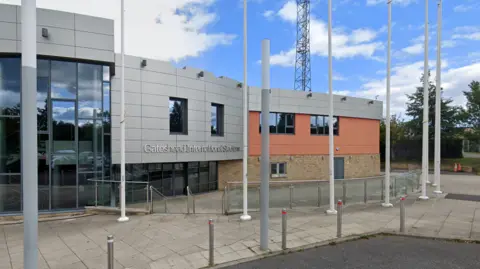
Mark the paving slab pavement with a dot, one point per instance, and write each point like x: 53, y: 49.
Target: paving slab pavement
x: 181, y: 241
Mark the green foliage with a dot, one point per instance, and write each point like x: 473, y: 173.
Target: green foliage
x: 473, y: 110
x: 451, y: 116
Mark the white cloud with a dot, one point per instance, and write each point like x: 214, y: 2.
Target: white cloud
x: 399, y: 2
x: 449, y: 43
x: 470, y: 36
x: 166, y: 30
x: 414, y: 49
x: 466, y: 7
x: 268, y: 14
x: 358, y: 42
x: 405, y: 79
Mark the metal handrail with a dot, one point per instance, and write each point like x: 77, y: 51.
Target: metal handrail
x: 305, y: 181
x: 165, y: 198
x: 190, y: 194
x: 118, y: 181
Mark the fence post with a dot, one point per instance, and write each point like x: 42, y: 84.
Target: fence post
x: 339, y: 218
x: 96, y: 193
x: 291, y: 196
x: 319, y: 202
x: 284, y: 229
x: 193, y: 200
x: 383, y: 190
x: 344, y: 187
x: 151, y: 199
x: 188, y: 200
x: 365, y: 194
x: 147, y: 204
x: 402, y: 215
x: 110, y: 251
x: 211, y: 243
x: 166, y: 209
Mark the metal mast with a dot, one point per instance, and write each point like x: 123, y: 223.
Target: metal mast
x: 303, y: 78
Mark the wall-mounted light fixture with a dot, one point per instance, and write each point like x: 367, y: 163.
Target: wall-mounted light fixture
x: 200, y: 74
x: 309, y: 94
x: 344, y: 98
x: 143, y: 63
x: 45, y: 32
x: 239, y: 85
x: 370, y: 102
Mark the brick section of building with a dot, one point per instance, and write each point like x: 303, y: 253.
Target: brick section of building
x: 301, y: 167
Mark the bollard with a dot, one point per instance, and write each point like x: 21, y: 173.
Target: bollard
x: 319, y: 202
x: 284, y: 229
x: 344, y: 194
x: 110, y: 251
x: 291, y: 196
x: 339, y: 218
x: 211, y: 245
x: 365, y: 194
x: 402, y: 215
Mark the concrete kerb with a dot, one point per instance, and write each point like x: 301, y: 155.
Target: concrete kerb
x: 345, y: 239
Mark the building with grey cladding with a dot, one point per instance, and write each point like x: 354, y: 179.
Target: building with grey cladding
x: 183, y: 125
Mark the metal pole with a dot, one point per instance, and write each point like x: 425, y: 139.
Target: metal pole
x: 319, y: 202
x: 365, y: 194
x: 332, y: 210
x: 123, y: 217
x: 344, y: 191
x: 339, y: 218
x: 29, y: 130
x: 188, y: 200
x: 425, y: 112
x: 386, y: 202
x: 291, y: 196
x: 245, y: 215
x: 265, y: 159
x: 211, y: 245
x: 96, y: 193
x: 110, y: 260
x: 402, y: 215
x: 438, y: 102
x: 284, y: 229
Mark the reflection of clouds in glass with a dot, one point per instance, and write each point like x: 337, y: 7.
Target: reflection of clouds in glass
x: 106, y: 96
x: 106, y: 73
x: 63, y: 111
x: 89, y: 89
x: 9, y: 82
x: 9, y: 98
x: 87, y: 112
x: 63, y: 79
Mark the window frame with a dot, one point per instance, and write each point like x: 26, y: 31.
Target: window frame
x: 220, y: 116
x: 277, y: 173
x: 336, y: 130
x: 286, y: 126
x: 184, y: 109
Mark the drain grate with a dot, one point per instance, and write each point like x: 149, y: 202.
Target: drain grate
x: 463, y: 197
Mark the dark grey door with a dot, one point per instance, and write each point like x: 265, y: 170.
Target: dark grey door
x: 339, y: 167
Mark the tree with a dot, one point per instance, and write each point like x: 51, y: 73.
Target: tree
x: 398, y: 132
x: 473, y: 110
x: 452, y: 116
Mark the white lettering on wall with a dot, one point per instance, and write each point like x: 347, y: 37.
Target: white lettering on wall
x: 149, y: 148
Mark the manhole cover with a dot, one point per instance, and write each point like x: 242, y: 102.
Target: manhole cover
x: 463, y: 197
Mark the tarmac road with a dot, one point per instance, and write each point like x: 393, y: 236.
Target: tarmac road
x: 381, y: 252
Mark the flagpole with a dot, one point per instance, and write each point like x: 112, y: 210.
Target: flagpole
x: 123, y: 217
x: 387, y: 124
x: 331, y: 210
x: 425, y: 112
x: 438, y: 101
x: 245, y: 215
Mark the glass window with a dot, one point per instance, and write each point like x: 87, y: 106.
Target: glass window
x: 335, y: 125
x: 203, y: 180
x: 213, y: 180
x: 11, y: 198
x: 107, y: 153
x: 64, y: 79
x: 106, y: 108
x: 193, y: 176
x: 216, y: 121
x: 178, y: 116
x: 9, y: 145
x: 10, y: 86
x: 90, y: 90
x: 278, y: 169
x: 43, y: 169
x: 280, y: 123
x: 89, y: 145
x: 106, y: 73
x: 179, y: 179
x: 313, y: 125
x: 319, y: 125
x: 43, y: 84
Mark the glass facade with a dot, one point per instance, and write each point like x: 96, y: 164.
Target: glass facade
x: 73, y: 123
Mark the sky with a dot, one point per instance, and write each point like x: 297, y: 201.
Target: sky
x: 208, y: 34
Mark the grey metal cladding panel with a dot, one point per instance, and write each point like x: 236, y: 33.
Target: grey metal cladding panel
x: 193, y: 136
x: 159, y: 89
x: 236, y: 111
x: 133, y: 134
x: 233, y: 119
x: 233, y: 128
x: 130, y: 74
x: 160, y: 66
x: 52, y: 49
x: 8, y: 46
x: 214, y: 156
x: 197, y: 105
x: 130, y: 122
x: 55, y: 36
x: 234, y: 138
x: 52, y: 18
x: 130, y: 85
x: 190, y: 94
x: 8, y: 30
x: 133, y: 110
x: 198, y: 125
x: 130, y: 61
x: 159, y: 157
x: 94, y: 41
x: 155, y: 100
x: 215, y: 139
x: 196, y: 116
x: 155, y: 111
x: 133, y: 98
x: 158, y: 135
x: 131, y: 157
x: 188, y: 72
x: 228, y: 82
x: 191, y: 157
x: 94, y: 24
x: 94, y: 54
x: 161, y: 78
x: 155, y: 123
x: 8, y: 13
x: 190, y: 83
x: 254, y: 106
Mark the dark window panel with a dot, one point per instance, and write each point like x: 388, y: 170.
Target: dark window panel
x: 178, y: 116
x: 90, y: 90
x: 43, y: 84
x: 10, y: 145
x: 11, y: 197
x: 10, y: 86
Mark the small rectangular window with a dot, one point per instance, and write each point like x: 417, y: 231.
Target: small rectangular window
x: 278, y: 169
x: 178, y: 116
x: 216, y: 120
x: 319, y: 125
x: 280, y: 123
